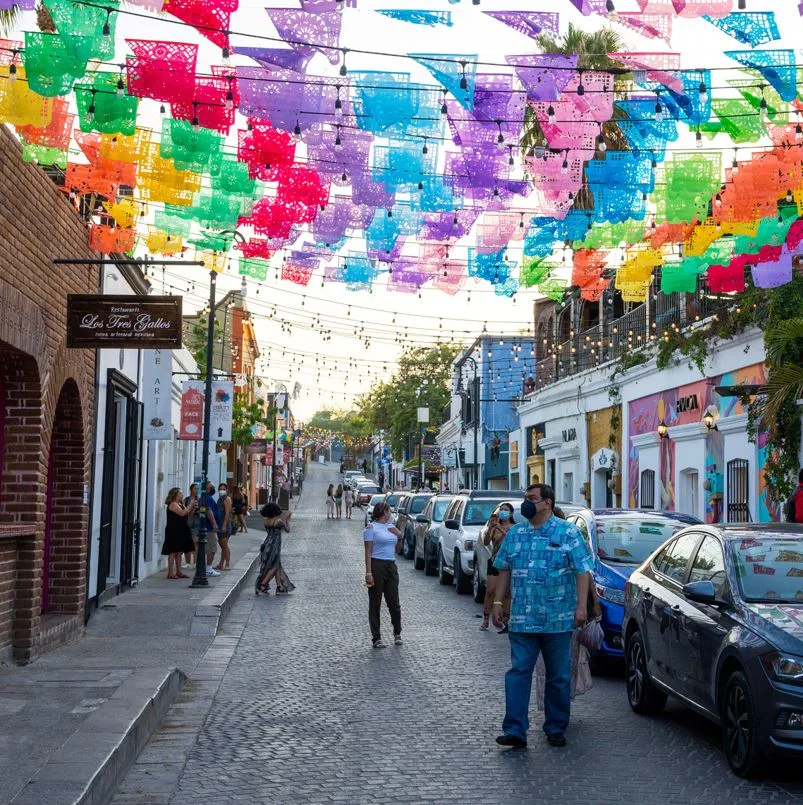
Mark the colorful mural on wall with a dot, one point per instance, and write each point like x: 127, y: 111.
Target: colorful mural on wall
x: 683, y: 405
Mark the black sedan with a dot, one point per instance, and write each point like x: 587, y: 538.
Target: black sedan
x: 715, y: 617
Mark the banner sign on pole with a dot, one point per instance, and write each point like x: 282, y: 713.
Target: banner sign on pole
x: 222, y: 410
x: 156, y: 385
x: 124, y: 322
x: 279, y: 456
x: 192, y: 410
x: 257, y: 447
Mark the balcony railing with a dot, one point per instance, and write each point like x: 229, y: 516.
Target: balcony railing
x: 607, y: 342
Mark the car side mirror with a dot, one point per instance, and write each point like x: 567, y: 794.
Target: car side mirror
x: 421, y: 519
x: 452, y: 524
x: 701, y: 592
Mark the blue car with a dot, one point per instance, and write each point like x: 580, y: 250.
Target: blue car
x: 621, y: 539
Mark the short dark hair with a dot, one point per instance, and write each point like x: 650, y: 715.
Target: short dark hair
x: 223, y: 484
x: 271, y: 510
x: 545, y: 491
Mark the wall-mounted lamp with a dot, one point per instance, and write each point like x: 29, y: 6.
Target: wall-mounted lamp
x: 663, y: 431
x: 710, y: 419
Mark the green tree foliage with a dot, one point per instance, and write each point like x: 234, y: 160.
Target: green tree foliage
x: 347, y: 423
x: 195, y: 342
x: 423, y: 379
x: 246, y: 414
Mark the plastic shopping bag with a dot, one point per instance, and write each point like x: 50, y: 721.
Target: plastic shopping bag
x: 591, y: 635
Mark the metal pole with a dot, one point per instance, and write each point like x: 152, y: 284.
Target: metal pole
x: 273, y: 455
x: 421, y: 458
x: 200, y: 579
x: 477, y: 482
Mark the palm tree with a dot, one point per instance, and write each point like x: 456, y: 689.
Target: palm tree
x: 9, y: 20
x: 784, y: 345
x: 592, y: 51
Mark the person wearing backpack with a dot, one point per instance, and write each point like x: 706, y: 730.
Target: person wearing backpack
x: 794, y: 506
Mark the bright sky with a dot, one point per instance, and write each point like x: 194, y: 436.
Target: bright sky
x: 348, y: 367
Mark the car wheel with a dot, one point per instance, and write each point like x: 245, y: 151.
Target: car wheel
x: 461, y: 581
x: 642, y: 694
x: 409, y: 545
x: 443, y: 574
x: 739, y: 727
x: 429, y: 564
x: 418, y: 562
x: 477, y: 586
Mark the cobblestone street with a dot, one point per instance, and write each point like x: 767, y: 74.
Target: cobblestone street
x: 308, y: 712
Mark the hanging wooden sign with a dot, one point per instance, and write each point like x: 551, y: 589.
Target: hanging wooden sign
x: 124, y: 322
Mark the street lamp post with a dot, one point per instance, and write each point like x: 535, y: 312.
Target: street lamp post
x: 274, y: 493
x: 475, y: 414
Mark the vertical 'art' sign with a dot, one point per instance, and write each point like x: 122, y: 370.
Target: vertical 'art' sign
x: 156, y: 384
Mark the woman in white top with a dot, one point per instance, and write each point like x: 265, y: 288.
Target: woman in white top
x: 381, y: 573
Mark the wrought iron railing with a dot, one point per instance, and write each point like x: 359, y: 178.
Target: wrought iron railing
x: 609, y: 341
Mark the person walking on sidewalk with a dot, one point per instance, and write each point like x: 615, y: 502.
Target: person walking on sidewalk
x: 212, y: 529
x: 224, y: 530
x: 381, y: 573
x: 330, y: 502
x: 178, y: 538
x: 270, y: 559
x: 549, y: 564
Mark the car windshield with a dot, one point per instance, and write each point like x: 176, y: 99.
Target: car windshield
x: 440, y: 509
x: 478, y: 511
x: 769, y: 568
x: 368, y: 490
x: 376, y: 499
x: 393, y: 500
x: 418, y: 505
x: 630, y: 540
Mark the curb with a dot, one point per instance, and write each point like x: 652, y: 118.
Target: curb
x: 84, y: 771
x: 215, y: 605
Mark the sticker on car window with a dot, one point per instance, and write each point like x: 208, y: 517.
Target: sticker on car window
x: 621, y: 552
x: 795, y: 571
x: 763, y: 570
x: 790, y: 556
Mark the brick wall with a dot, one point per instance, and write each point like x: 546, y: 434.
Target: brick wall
x: 49, y: 395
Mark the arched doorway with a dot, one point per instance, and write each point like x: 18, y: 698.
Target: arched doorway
x: 63, y: 565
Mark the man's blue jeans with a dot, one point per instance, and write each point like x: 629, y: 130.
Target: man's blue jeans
x: 524, y: 650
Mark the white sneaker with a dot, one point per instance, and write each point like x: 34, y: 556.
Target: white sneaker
x: 210, y: 571
x: 380, y: 643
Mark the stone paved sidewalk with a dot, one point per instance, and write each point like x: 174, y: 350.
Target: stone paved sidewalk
x: 61, y: 716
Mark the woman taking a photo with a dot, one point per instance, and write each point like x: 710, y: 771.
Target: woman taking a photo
x: 178, y: 538
x: 381, y: 573
x: 498, y: 526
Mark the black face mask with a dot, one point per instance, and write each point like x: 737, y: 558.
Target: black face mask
x: 528, y: 509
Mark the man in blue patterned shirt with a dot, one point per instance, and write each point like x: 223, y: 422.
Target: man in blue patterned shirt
x: 545, y: 564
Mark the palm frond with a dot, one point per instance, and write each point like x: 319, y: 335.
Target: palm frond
x: 784, y: 383
x: 9, y: 20
x: 785, y: 342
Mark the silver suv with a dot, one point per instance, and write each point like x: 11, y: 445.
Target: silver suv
x: 462, y: 523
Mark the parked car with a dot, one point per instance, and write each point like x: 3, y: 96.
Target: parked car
x: 482, y: 552
x: 393, y: 501
x: 349, y: 476
x: 410, y: 506
x: 715, y: 617
x: 620, y: 539
x: 427, y: 533
x: 364, y: 493
x: 464, y: 518
x: 369, y: 509
x: 356, y: 480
